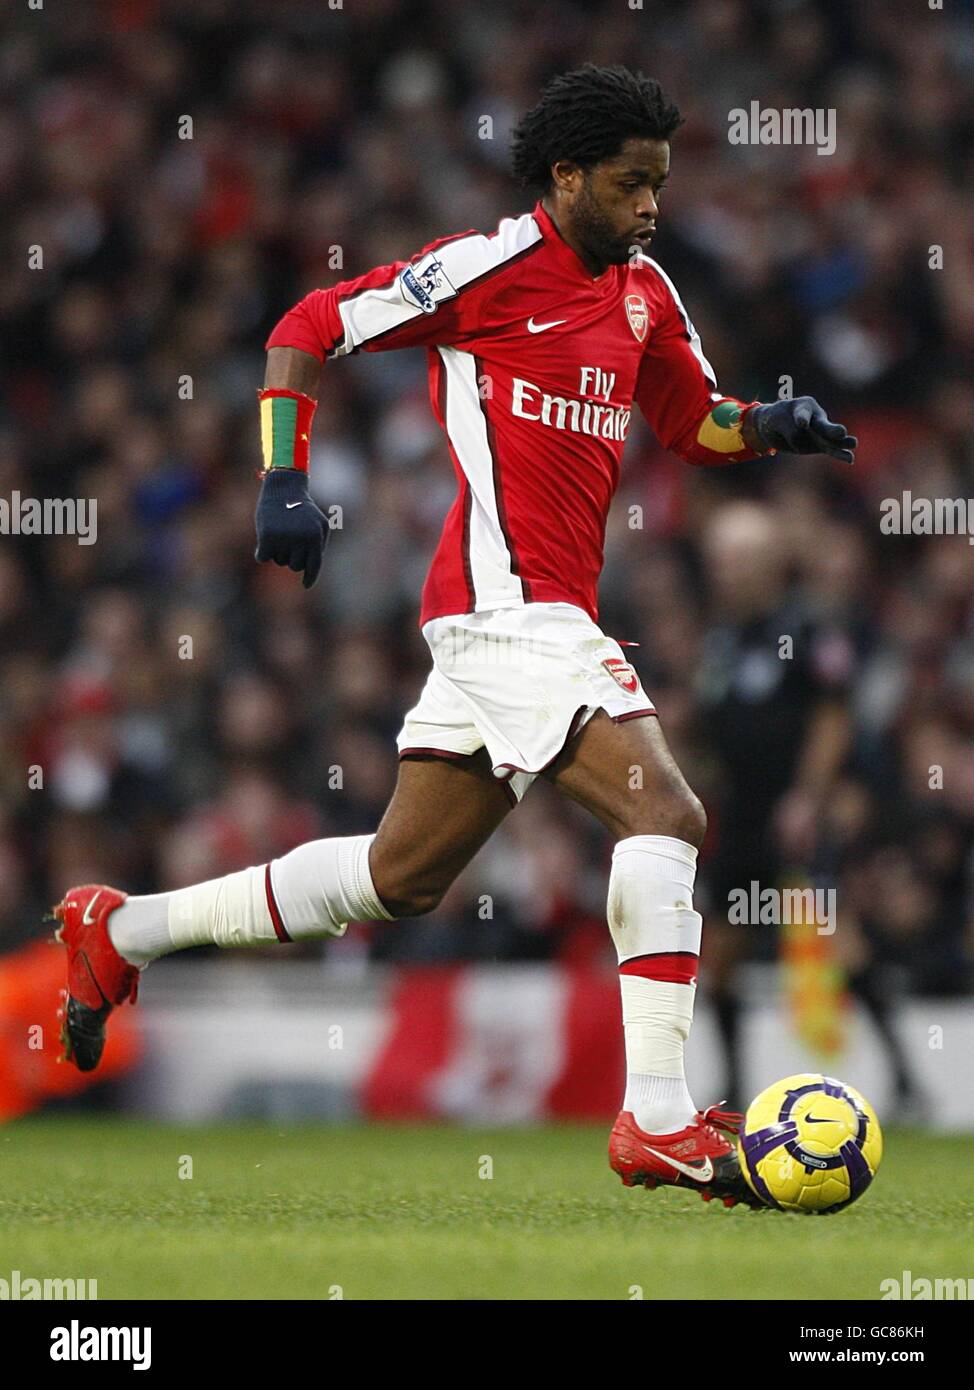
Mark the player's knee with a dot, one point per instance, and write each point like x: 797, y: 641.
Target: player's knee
x: 691, y: 820
x: 676, y: 812
x: 407, y: 884
x: 405, y: 899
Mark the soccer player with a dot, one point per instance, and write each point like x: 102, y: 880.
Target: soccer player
x: 540, y: 336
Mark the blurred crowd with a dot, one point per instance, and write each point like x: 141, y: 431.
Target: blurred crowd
x: 170, y: 712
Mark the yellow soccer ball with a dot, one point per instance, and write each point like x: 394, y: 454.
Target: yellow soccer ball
x: 810, y: 1143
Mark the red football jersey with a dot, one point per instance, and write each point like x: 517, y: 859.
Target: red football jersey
x: 534, y: 365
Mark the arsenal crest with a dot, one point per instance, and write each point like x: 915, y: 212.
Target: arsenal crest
x: 638, y: 315
x: 622, y: 672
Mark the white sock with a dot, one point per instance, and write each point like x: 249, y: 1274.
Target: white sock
x: 660, y: 1104
x: 657, y: 938
x: 139, y: 929
x: 314, y: 891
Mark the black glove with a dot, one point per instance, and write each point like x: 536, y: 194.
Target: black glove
x: 800, y: 427
x: 291, y: 529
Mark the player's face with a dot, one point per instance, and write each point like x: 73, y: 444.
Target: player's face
x: 616, y: 203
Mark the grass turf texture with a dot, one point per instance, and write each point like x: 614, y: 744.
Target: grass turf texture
x: 401, y: 1213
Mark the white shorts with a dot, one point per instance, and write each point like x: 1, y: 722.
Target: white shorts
x: 520, y: 682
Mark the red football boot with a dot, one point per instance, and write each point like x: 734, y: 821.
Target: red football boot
x: 98, y: 977
x: 698, y: 1156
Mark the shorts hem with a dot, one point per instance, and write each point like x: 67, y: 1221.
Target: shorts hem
x: 449, y: 754
x: 436, y: 752
x: 573, y: 730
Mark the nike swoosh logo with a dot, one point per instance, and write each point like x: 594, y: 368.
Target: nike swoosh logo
x: 105, y: 1001
x: 291, y: 505
x: 814, y: 1120
x: 702, y: 1172
x: 540, y: 327
x: 86, y: 919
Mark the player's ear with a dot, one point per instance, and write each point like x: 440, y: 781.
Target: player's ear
x: 566, y: 176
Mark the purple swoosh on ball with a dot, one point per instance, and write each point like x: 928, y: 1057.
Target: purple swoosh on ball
x: 757, y: 1146
x: 860, y: 1174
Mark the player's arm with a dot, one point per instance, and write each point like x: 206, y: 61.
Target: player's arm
x: 677, y: 392
x: 404, y: 304
x: 291, y: 528
x: 292, y: 369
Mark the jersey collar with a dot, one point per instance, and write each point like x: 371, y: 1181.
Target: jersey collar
x: 564, y: 254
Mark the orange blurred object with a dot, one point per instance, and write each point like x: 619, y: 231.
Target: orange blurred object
x: 31, y: 980
x: 815, y: 987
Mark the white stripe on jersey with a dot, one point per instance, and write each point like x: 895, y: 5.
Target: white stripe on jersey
x: 372, y: 312
x: 495, y: 585
x: 695, y: 343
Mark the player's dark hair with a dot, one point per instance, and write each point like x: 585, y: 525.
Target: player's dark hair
x: 587, y: 115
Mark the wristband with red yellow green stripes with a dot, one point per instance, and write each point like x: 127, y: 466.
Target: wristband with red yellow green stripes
x: 285, y: 428
x: 722, y: 428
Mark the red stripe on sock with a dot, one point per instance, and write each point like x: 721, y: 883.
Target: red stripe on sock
x: 280, y: 930
x: 675, y: 967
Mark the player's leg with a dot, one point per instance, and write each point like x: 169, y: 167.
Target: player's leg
x: 623, y: 773
x: 440, y: 814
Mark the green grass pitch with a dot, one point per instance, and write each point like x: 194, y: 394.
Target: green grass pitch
x: 388, y: 1212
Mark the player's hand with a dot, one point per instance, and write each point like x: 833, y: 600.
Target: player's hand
x: 800, y: 427
x: 291, y: 529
